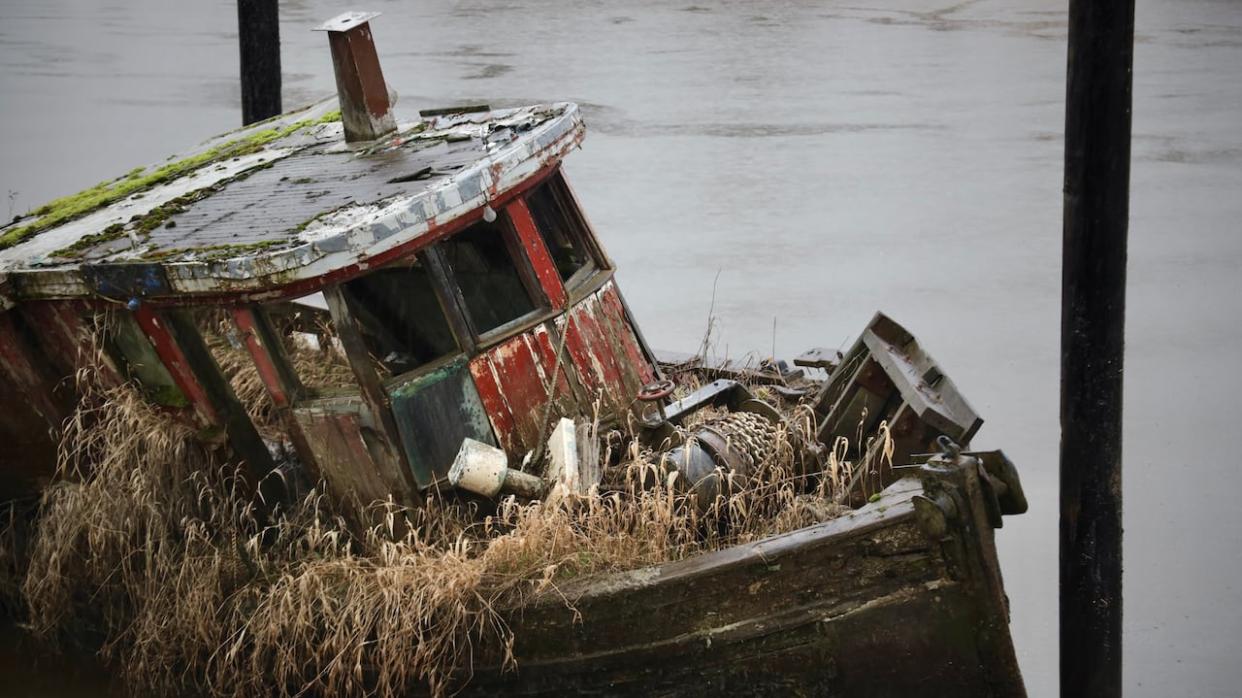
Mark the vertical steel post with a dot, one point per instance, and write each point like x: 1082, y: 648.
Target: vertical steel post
x: 258, y: 37
x: 1096, y: 219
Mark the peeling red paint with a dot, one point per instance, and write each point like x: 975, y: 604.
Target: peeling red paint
x: 498, y: 412
x: 178, y: 367
x: 514, y: 380
x: 623, y: 334
x: 605, y: 350
x: 266, y: 367
x: 537, y: 252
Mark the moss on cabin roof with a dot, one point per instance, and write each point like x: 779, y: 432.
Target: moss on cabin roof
x: 68, y: 208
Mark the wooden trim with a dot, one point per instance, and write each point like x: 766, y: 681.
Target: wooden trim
x: 589, y: 287
x: 574, y: 205
x: 549, y: 278
x: 638, y: 334
x: 523, y: 265
x: 303, y: 287
x: 515, y: 327
x: 424, y: 369
x: 451, y: 302
x: 268, y: 354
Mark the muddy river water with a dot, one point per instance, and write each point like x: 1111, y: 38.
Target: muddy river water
x: 824, y: 160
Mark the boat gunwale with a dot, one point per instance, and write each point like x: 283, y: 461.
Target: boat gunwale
x: 893, y: 507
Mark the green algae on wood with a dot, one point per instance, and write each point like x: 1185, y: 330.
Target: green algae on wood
x: 68, y: 208
x: 212, y: 253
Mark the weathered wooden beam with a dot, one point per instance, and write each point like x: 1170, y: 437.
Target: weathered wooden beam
x: 1096, y: 220
x: 155, y: 327
x: 258, y: 38
x: 268, y: 354
x: 366, y: 111
x: 241, y: 432
x: 450, y: 298
x: 372, y: 389
x: 548, y: 278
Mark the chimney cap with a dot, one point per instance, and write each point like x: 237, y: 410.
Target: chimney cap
x: 346, y: 21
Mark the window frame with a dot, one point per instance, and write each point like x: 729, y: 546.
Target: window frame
x: 451, y: 305
x: 579, y: 228
x: 526, y: 274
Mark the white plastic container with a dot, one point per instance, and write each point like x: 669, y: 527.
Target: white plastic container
x: 479, y: 468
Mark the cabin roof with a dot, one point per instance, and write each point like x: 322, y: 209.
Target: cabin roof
x: 277, y: 202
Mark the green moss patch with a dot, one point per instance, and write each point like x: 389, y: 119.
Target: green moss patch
x: 140, y: 179
x: 211, y: 253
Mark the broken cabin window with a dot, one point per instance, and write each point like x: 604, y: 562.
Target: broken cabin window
x: 310, y: 341
x: 400, y: 316
x: 484, y: 262
x: 561, y: 227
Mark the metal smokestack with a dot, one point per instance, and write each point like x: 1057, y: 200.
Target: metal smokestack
x: 366, y: 110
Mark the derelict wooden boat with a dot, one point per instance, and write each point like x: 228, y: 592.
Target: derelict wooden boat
x: 451, y: 288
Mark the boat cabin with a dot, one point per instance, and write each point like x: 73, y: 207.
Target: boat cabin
x: 396, y: 286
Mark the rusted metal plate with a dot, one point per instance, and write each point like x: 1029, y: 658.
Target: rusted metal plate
x: 350, y: 456
x: 434, y: 411
x: 604, y: 349
x: 515, y: 382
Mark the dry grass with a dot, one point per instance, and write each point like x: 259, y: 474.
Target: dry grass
x: 147, y: 543
x: 319, y: 368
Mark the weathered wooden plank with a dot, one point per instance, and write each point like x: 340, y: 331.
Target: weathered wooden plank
x: 638, y: 369
x: 867, y: 604
x: 493, y: 398
x: 242, y: 434
x: 532, y: 243
x: 142, y: 363
x: 515, y: 381
x: 268, y: 354
x: 354, y: 463
x: 178, y: 365
x: 372, y: 390
x: 930, y: 393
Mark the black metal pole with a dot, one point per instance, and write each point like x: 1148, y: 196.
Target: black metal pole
x: 1097, y: 199
x: 258, y: 35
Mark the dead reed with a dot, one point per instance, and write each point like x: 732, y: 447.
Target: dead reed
x: 148, y: 543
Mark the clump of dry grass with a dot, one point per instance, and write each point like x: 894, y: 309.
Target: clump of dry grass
x: 149, y: 542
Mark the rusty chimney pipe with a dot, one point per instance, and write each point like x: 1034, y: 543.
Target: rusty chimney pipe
x: 366, y: 111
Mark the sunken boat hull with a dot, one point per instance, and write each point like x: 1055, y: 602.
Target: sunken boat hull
x: 898, y: 598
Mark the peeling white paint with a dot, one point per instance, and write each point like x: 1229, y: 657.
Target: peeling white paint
x: 520, y: 142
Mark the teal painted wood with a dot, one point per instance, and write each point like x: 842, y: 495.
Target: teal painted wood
x: 434, y: 411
